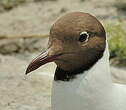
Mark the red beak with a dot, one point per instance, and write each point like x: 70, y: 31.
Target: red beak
x: 40, y: 60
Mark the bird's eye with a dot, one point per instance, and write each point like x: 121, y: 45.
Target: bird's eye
x: 83, y: 37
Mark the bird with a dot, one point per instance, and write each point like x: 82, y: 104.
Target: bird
x: 82, y: 79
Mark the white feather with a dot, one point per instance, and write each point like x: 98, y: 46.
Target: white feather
x: 92, y: 90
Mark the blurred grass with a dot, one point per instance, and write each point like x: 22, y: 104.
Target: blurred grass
x: 117, y: 43
x: 120, y: 5
x: 9, y: 4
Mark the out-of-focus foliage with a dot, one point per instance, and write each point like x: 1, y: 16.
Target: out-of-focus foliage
x: 9, y: 4
x: 117, y: 41
x: 120, y: 5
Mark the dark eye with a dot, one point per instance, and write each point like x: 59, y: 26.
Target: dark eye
x: 84, y: 37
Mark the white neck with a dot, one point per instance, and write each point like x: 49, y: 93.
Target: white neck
x: 99, y: 74
x: 89, y: 90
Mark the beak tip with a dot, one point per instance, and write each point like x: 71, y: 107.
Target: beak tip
x: 27, y: 71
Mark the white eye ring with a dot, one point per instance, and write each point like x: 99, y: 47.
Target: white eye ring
x: 82, y: 37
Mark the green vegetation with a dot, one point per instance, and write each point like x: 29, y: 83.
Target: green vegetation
x: 117, y: 42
